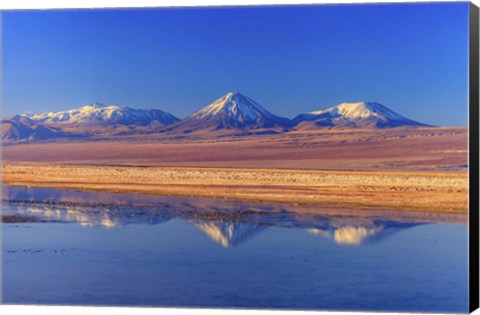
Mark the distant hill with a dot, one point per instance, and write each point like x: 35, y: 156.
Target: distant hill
x: 18, y: 127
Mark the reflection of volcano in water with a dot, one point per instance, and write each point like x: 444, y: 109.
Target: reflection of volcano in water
x: 88, y: 217
x: 228, y: 223
x: 357, y: 235
x: 222, y: 226
x: 228, y: 234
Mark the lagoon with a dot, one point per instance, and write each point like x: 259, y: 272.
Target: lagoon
x: 97, y: 248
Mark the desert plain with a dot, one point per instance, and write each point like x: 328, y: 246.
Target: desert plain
x: 411, y: 169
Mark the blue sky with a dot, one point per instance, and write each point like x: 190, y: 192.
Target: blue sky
x: 413, y: 58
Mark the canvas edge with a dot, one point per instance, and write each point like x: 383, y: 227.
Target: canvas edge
x: 474, y: 158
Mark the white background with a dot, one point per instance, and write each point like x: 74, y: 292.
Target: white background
x: 46, y: 4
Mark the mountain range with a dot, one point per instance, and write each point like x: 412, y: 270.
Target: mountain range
x: 232, y: 114
x: 98, y: 114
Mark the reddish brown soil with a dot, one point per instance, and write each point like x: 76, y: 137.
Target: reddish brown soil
x: 426, y: 149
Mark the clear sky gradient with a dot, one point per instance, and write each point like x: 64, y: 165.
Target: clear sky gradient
x: 413, y: 58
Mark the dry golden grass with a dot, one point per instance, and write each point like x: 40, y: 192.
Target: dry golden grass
x: 415, y: 191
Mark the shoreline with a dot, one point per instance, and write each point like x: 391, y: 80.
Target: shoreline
x: 362, y: 190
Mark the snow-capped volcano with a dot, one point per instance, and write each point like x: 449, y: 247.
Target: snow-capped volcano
x: 98, y: 114
x: 354, y: 115
x: 232, y: 111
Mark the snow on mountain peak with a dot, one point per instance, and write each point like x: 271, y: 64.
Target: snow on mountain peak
x: 94, y: 114
x: 233, y: 111
x: 360, y: 110
x: 234, y: 104
x: 359, y: 114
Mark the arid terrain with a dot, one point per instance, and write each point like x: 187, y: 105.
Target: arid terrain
x: 422, y: 169
x: 397, y: 149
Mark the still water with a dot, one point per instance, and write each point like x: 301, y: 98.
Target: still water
x: 72, y: 247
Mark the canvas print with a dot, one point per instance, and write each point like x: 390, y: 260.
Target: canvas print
x: 308, y: 157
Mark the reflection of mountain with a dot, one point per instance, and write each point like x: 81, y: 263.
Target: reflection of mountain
x: 228, y: 234
x: 226, y: 222
x: 357, y: 235
x: 86, y: 216
x: 222, y: 226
